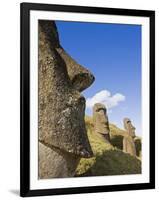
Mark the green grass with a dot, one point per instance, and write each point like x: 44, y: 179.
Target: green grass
x: 108, y: 158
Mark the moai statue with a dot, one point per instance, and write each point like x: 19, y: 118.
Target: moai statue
x: 100, y: 120
x: 128, y: 140
x: 62, y: 134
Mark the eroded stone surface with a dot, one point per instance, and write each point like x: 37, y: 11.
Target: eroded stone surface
x: 61, y: 106
x: 100, y: 120
x: 54, y: 164
x: 128, y: 140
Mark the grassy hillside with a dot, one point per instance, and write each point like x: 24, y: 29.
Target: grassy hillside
x: 108, y: 159
x: 117, y: 135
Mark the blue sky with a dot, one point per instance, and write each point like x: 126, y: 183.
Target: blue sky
x: 112, y: 52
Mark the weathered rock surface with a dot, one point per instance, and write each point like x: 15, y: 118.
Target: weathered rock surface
x: 128, y: 141
x: 100, y: 120
x: 54, y: 164
x: 62, y: 134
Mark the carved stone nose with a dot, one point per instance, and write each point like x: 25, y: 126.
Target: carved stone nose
x: 80, y: 77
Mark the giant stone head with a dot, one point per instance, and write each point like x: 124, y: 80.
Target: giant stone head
x: 61, y: 106
x: 129, y: 127
x: 100, y: 120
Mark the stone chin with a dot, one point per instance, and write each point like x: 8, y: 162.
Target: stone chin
x: 73, y: 133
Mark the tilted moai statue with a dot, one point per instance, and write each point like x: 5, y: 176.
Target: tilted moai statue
x: 100, y: 120
x: 128, y: 140
x: 62, y: 134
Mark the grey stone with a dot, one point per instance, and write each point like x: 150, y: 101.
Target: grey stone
x: 100, y: 121
x: 62, y: 134
x: 128, y: 140
x: 53, y: 163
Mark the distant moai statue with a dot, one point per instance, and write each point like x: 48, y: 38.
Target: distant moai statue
x: 100, y: 120
x: 128, y: 140
x: 62, y: 133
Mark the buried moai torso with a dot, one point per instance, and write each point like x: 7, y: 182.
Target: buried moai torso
x: 100, y: 120
x: 128, y: 140
x: 62, y: 134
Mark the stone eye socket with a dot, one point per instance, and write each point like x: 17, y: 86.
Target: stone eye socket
x: 101, y: 109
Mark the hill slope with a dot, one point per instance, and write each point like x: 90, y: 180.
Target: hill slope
x: 108, y: 159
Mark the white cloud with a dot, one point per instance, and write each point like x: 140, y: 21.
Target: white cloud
x: 105, y: 98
